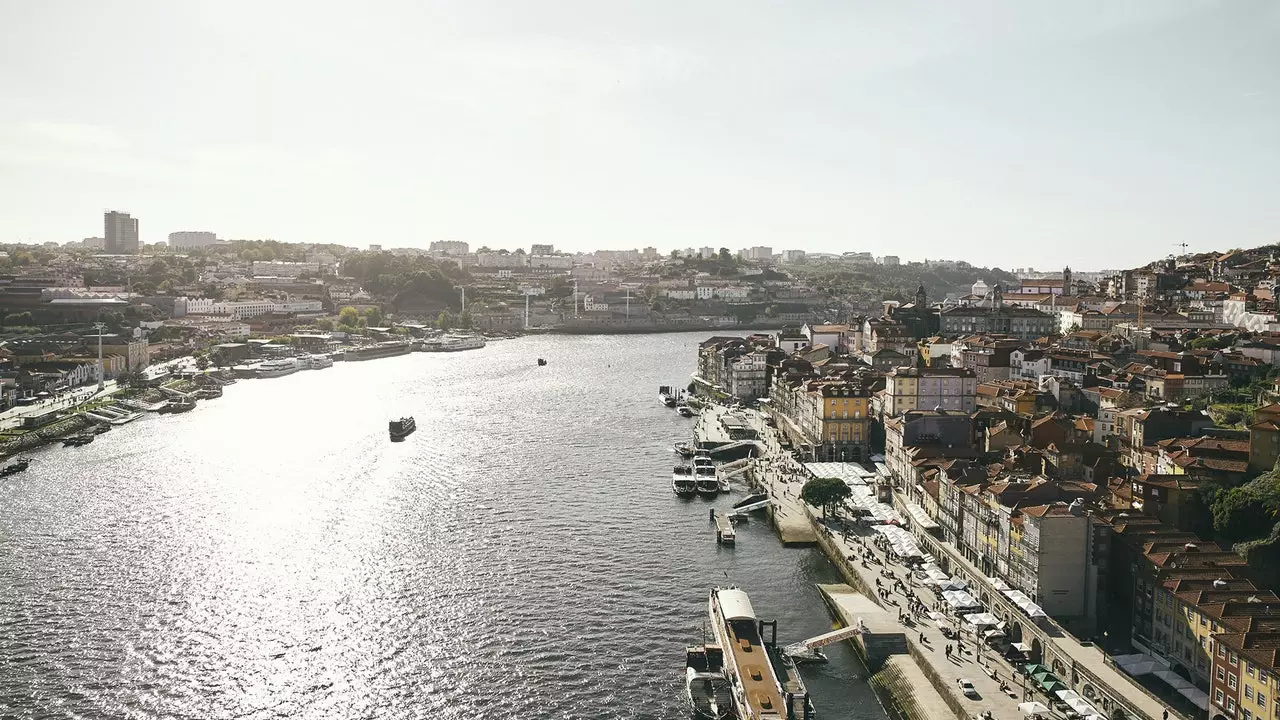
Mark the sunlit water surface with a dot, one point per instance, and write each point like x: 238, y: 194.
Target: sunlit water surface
x: 272, y: 555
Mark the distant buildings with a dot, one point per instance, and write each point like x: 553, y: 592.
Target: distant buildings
x: 120, y: 233
x: 450, y: 247
x: 537, y: 249
x: 94, y: 242
x: 191, y: 239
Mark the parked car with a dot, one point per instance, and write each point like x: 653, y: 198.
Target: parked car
x: 966, y: 687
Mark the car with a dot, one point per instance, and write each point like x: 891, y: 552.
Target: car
x: 966, y: 687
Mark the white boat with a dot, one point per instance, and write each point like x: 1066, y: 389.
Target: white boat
x: 757, y: 692
x: 318, y: 362
x: 704, y: 475
x: 454, y: 342
x: 705, y: 683
x: 685, y: 410
x: 277, y: 367
x: 682, y: 480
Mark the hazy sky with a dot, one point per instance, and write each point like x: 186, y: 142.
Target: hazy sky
x: 1013, y: 133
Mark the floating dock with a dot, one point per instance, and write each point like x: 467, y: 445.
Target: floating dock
x: 725, y: 534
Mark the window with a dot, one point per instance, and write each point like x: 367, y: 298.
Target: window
x: 1248, y: 668
x: 1246, y: 715
x: 1231, y: 705
x: 1222, y: 652
x: 1222, y: 674
x: 1248, y: 692
x: 1262, y: 699
x: 1233, y: 659
x: 1217, y: 696
x: 1231, y: 681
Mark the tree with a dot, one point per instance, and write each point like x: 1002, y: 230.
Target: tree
x: 1238, y: 514
x: 443, y: 321
x: 324, y: 325
x: 349, y: 316
x: 464, y: 319
x: 202, y: 362
x: 374, y: 316
x: 824, y: 492
x: 725, y: 255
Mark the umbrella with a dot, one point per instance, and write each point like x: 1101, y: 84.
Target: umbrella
x: 1053, y: 685
x: 1033, y: 708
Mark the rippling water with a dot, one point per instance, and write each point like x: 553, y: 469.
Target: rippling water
x: 272, y: 555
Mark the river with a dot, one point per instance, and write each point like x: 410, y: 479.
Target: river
x: 271, y: 555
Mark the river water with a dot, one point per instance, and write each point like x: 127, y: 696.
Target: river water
x: 272, y: 555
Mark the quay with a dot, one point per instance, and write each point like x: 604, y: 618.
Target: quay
x: 768, y: 469
x: 876, y: 575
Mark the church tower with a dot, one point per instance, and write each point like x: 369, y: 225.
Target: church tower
x: 997, y: 297
x: 1067, y: 287
x: 920, y: 298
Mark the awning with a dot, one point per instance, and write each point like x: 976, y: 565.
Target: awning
x: 1033, y: 708
x: 1024, y: 603
x: 1196, y: 696
x: 960, y: 600
x: 982, y: 619
x: 919, y: 516
x: 1021, y: 647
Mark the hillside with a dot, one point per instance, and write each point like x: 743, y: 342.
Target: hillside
x: 864, y: 287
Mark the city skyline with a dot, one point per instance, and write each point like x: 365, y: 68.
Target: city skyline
x: 1035, y: 134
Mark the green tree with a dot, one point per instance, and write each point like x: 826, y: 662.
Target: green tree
x: 374, y: 316
x: 464, y: 319
x: 824, y: 492
x: 324, y: 325
x: 443, y: 320
x: 349, y: 316
x: 1238, y: 514
x: 725, y: 255
x: 202, y: 362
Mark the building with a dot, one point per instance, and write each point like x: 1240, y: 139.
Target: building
x: 279, y: 268
x: 191, y: 239
x: 833, y: 336
x: 891, y: 260
x: 450, y: 247
x: 911, y: 388
x: 540, y: 249
x: 996, y: 317
x: 121, y: 233
x: 96, y: 243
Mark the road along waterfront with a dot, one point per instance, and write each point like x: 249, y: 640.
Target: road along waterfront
x: 271, y: 554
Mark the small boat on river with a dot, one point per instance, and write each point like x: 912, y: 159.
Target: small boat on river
x: 402, y: 428
x: 704, y: 475
x: 77, y: 440
x: 682, y: 480
x: 14, y: 468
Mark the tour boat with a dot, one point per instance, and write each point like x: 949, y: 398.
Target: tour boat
x: 317, y: 362
x: 704, y: 475
x: 753, y: 665
x: 708, y: 688
x: 278, y: 367
x: 401, y: 428
x: 682, y: 480
x: 667, y: 396
x: 454, y: 342
x: 685, y: 411
x: 390, y: 348
x: 684, y: 448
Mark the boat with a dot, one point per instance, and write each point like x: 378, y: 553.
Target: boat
x: 390, y: 348
x: 705, y: 683
x: 685, y: 411
x: 541, y: 362
x: 77, y: 440
x: 667, y: 396
x: 209, y: 392
x: 178, y: 406
x: 682, y: 480
x: 764, y: 684
x: 15, y: 468
x: 278, y: 367
x: 704, y: 474
x: 316, y: 362
x: 454, y: 342
x: 400, y: 429
x: 684, y: 448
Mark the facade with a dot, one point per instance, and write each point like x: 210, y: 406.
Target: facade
x: 542, y: 249
x: 998, y: 318
x: 279, y: 268
x: 910, y: 388
x: 450, y: 247
x: 121, y: 233
x: 191, y: 239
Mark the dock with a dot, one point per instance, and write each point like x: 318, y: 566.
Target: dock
x: 725, y: 534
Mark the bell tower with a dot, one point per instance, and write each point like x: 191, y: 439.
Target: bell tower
x: 1067, y: 288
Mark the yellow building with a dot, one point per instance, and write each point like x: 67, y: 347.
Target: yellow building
x: 835, y: 420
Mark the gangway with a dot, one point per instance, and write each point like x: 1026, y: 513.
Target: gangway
x: 735, y: 464
x: 750, y: 445
x: 757, y: 505
x: 808, y: 649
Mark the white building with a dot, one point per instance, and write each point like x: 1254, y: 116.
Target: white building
x: 279, y: 268
x: 559, y: 262
x: 706, y: 253
x: 731, y: 292
x: 679, y: 293
x: 502, y: 260
x: 793, y: 256
x: 891, y: 260
x: 704, y: 292
x: 192, y: 239
x: 450, y: 247
x: 243, y: 309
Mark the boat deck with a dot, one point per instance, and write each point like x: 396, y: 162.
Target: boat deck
x: 754, y: 670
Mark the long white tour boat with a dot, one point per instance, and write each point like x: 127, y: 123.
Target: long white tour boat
x: 454, y: 342
x: 751, y: 667
x: 278, y: 367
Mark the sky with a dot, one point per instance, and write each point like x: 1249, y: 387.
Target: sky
x: 1099, y: 134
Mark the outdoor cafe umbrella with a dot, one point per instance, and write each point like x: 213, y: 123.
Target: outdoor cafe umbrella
x: 1033, y: 708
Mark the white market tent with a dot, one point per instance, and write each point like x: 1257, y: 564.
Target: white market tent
x: 960, y: 600
x: 1024, y: 603
x: 901, y: 542
x: 1033, y: 708
x: 851, y: 473
x: 982, y: 620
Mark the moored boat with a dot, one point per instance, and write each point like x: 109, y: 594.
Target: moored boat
x: 77, y: 440
x: 390, y: 348
x: 704, y: 475
x: 682, y: 480
x: 400, y: 429
x: 684, y: 448
x: 178, y: 406
x: 277, y: 367
x: 666, y: 396
x: 753, y: 665
x: 705, y: 683
x: 685, y: 411
x: 454, y: 342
